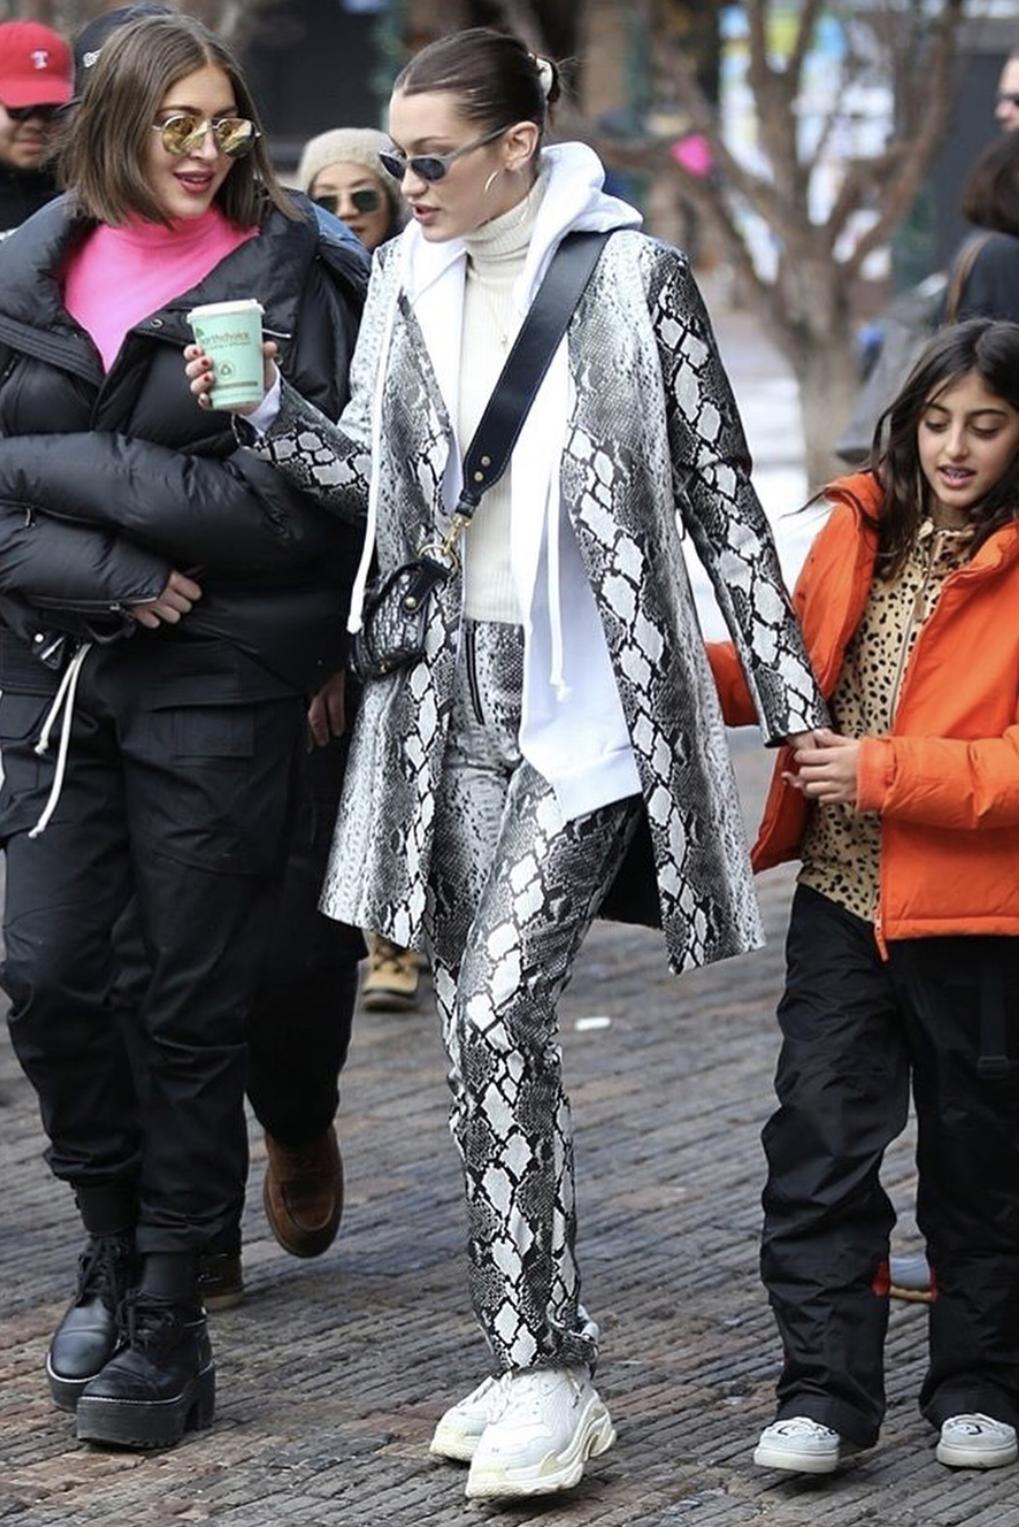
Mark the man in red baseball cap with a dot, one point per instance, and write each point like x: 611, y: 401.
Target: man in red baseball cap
x: 36, y: 80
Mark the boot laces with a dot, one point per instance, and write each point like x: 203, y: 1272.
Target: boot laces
x: 91, y: 1269
x: 104, y: 1270
x: 148, y: 1323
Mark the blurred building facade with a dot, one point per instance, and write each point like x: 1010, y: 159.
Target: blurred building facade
x: 316, y: 64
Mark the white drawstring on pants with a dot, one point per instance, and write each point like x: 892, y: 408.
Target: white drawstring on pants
x: 61, y: 710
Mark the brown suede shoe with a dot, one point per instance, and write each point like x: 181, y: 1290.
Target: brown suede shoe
x: 303, y: 1194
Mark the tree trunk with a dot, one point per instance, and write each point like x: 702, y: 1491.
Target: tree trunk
x: 828, y: 381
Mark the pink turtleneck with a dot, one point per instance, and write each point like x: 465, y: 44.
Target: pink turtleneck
x: 118, y: 276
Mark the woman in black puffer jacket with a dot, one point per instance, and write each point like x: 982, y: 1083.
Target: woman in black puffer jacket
x: 168, y: 603
x: 985, y: 276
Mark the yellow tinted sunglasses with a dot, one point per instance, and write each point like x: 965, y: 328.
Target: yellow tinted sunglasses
x: 185, y: 133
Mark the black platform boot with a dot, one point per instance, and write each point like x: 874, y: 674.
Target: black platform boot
x: 90, y: 1332
x: 163, y: 1382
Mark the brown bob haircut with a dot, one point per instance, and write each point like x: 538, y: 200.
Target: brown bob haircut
x: 105, y: 148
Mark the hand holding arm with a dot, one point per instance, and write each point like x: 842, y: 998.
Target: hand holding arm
x: 825, y: 767
x: 178, y: 598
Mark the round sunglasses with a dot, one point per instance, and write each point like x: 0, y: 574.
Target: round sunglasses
x: 365, y: 200
x: 432, y: 167
x: 185, y: 133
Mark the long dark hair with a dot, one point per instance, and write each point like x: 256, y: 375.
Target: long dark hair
x: 983, y: 346
x: 990, y: 195
x: 495, y: 79
x: 102, y: 159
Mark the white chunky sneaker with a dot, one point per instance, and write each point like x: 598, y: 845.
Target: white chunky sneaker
x: 976, y: 1442
x: 459, y: 1430
x: 802, y: 1445
x: 551, y: 1422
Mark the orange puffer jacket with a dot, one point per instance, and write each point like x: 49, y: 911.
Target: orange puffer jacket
x: 946, y: 780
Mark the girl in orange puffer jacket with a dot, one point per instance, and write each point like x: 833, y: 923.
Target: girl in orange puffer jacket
x: 903, y: 954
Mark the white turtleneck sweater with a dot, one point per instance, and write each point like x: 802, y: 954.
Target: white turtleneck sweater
x: 496, y: 254
x: 572, y: 728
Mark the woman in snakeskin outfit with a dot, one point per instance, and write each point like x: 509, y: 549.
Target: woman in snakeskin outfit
x: 558, y: 752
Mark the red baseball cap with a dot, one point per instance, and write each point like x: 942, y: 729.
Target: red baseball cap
x: 36, y: 68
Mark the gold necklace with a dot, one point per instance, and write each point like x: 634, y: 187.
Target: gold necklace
x: 495, y: 317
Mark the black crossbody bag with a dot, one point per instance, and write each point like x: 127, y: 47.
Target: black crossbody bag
x: 397, y: 605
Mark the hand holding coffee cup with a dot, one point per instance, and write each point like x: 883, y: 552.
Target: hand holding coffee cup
x: 229, y: 366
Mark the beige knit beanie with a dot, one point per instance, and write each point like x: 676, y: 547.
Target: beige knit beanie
x: 350, y: 145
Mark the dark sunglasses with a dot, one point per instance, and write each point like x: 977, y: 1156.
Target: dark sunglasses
x: 185, y: 134
x: 1011, y: 96
x: 432, y: 167
x: 365, y: 200
x: 26, y: 113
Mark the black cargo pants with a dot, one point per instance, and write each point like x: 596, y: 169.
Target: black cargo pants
x: 301, y: 1015
x: 944, y: 1011
x: 182, y: 804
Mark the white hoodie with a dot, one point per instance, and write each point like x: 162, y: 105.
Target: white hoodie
x: 572, y: 729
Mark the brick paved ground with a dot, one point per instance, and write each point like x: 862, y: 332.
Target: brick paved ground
x: 333, y: 1373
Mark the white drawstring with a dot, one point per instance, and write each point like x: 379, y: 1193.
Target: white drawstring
x: 556, y: 676
x: 354, y: 619
x: 63, y: 703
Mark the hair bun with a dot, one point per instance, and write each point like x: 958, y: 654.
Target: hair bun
x: 548, y: 74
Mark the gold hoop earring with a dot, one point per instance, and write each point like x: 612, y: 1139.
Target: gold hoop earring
x: 491, y: 179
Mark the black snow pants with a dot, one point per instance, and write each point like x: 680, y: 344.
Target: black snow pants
x: 855, y: 1030
x: 179, y: 798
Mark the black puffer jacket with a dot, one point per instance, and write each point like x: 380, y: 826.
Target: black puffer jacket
x: 992, y: 286
x: 23, y: 192
x: 107, y: 482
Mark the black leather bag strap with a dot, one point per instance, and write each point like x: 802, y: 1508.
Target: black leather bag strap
x: 540, y: 335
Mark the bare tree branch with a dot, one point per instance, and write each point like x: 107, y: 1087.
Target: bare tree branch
x: 775, y: 94
x: 720, y: 217
x: 765, y: 197
x: 918, y: 152
x: 809, y: 18
x: 759, y: 69
x: 807, y: 305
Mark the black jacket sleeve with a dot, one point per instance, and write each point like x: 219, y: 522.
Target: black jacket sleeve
x: 228, y: 514
x: 75, y: 568
x: 236, y: 516
x: 992, y: 287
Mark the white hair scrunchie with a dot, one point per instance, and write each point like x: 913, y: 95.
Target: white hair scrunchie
x: 546, y: 74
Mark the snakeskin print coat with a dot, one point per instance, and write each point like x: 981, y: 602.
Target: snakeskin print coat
x: 655, y: 453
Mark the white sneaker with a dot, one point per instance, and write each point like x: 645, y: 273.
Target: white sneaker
x: 802, y: 1445
x: 551, y: 1422
x: 976, y: 1442
x: 459, y: 1430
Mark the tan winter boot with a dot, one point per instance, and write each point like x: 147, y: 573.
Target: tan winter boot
x: 393, y: 979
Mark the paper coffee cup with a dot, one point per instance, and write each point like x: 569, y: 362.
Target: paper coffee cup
x: 231, y: 333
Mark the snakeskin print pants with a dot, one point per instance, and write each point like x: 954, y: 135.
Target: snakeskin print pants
x: 513, y: 892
